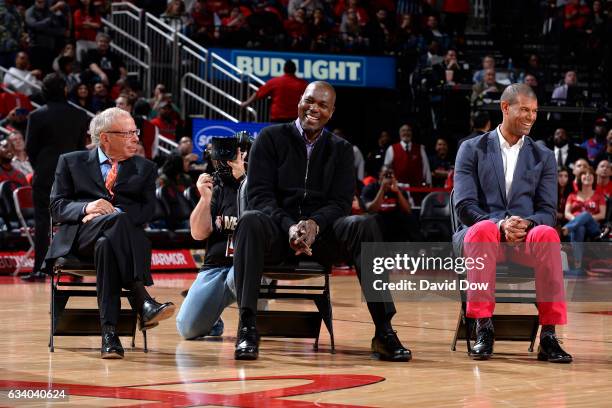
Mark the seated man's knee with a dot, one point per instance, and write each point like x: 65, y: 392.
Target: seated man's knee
x: 545, y: 233
x: 483, y: 231
x: 102, y: 244
x: 251, y: 219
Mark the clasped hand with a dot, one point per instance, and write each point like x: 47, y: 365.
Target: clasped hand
x: 302, y: 235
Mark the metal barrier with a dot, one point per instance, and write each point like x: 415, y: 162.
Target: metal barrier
x: 136, y: 54
x: 173, y: 55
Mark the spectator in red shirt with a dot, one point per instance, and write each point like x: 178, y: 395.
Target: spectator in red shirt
x: 296, y: 28
x: 455, y: 16
x: 285, y: 92
x: 604, y: 186
x: 7, y: 171
x: 584, y: 209
x: 167, y: 123
x: 576, y: 15
x: 87, y: 22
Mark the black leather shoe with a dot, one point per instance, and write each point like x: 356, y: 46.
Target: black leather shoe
x: 550, y: 350
x: 154, y: 312
x: 386, y: 346
x: 483, y: 349
x: 111, y: 345
x: 34, y: 276
x: 247, y: 344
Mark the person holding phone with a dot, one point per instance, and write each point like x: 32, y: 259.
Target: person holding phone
x: 391, y: 206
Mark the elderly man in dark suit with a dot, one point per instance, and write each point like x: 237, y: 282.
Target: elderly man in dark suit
x: 54, y: 129
x: 506, y: 191
x: 102, y: 198
x: 301, y: 182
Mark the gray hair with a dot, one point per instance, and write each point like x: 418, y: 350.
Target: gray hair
x: 511, y: 93
x: 102, y: 36
x: 103, y: 121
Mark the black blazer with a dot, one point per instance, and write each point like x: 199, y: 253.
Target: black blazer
x: 53, y: 129
x: 78, y: 181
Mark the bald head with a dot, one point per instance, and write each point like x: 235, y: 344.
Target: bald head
x: 316, y: 107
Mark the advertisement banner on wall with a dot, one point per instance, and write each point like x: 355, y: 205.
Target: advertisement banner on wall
x: 205, y: 129
x: 339, y: 70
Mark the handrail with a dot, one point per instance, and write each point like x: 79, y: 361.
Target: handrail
x: 232, y: 99
x: 5, y: 130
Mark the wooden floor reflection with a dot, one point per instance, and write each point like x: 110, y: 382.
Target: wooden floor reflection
x: 289, y: 373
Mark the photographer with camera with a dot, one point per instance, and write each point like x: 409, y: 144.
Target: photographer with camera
x: 214, y: 218
x: 391, y: 206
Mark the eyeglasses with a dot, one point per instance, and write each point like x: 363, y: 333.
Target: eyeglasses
x: 127, y: 134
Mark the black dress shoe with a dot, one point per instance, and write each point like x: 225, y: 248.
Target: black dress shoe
x: 483, y: 349
x: 386, y: 346
x: 247, y: 344
x: 111, y: 345
x: 154, y: 312
x: 34, y: 276
x: 550, y: 350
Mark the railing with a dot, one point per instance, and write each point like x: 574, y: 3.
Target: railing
x: 136, y: 53
x: 221, y: 85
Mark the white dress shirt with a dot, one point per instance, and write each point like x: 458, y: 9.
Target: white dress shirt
x: 564, y: 151
x: 509, y: 157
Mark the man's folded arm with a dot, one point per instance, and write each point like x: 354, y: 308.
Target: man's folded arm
x: 262, y: 181
x: 341, y: 192
x: 63, y: 208
x: 466, y: 190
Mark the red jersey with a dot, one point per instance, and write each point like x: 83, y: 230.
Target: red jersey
x: 285, y: 92
x: 606, y: 190
x: 591, y: 205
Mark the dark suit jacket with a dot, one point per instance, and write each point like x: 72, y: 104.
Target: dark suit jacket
x: 78, y: 181
x: 54, y: 129
x: 574, y: 152
x: 480, y: 186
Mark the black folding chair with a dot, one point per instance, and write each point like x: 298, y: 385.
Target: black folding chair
x: 67, y: 281
x: 291, y: 323
x: 507, y: 327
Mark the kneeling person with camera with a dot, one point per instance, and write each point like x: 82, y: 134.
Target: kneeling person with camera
x: 214, y: 218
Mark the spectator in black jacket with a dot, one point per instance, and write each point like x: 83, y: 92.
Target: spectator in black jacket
x: 53, y: 129
x: 300, y: 188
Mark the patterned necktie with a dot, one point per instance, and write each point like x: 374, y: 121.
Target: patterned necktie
x: 111, y: 177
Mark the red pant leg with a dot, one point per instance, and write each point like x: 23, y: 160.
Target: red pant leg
x: 482, y: 240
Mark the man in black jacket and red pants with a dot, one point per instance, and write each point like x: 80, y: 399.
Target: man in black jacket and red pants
x: 300, y: 188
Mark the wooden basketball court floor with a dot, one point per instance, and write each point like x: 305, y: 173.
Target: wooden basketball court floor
x: 289, y: 373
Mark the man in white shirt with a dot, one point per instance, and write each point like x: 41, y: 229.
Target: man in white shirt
x: 560, y: 93
x: 19, y: 79
x: 566, y: 153
x: 506, y: 190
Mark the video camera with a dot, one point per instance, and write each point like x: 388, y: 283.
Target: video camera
x: 225, y: 149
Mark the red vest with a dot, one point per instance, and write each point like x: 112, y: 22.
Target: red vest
x: 408, y: 165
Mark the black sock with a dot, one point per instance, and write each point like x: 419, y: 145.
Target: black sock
x: 547, y: 330
x: 484, y: 323
x: 140, y: 294
x: 247, y: 318
x: 383, y: 327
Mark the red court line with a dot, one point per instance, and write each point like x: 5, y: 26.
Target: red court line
x: 161, y: 398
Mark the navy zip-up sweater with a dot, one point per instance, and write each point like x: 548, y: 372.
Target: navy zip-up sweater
x: 286, y: 185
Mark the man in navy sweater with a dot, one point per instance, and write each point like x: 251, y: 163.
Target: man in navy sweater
x: 300, y: 187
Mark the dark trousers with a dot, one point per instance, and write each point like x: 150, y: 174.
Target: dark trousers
x: 259, y: 239
x: 122, y: 256
x: 42, y: 220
